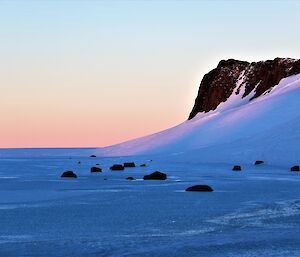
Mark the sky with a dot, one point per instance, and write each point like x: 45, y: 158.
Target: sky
x: 96, y: 73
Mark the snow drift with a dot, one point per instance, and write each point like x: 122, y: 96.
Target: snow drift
x: 238, y: 130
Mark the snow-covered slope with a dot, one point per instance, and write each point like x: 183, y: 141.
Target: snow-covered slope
x: 267, y: 127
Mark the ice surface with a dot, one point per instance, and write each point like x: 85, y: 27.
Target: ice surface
x: 254, y: 212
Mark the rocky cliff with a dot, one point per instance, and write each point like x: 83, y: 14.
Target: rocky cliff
x: 257, y: 77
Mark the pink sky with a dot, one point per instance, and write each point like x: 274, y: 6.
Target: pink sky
x: 54, y: 111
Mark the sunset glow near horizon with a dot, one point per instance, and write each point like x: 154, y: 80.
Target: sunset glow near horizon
x: 95, y: 73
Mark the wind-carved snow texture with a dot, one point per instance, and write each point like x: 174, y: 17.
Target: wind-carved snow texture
x: 260, y: 215
x: 267, y: 127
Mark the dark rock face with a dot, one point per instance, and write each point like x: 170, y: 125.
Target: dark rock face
x: 156, y: 176
x: 237, y: 168
x: 199, y: 188
x: 217, y: 85
x: 117, y: 167
x: 295, y: 168
x: 258, y: 162
x: 96, y: 169
x: 68, y: 174
x: 129, y: 164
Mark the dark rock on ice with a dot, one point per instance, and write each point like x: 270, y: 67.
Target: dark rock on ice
x: 143, y: 165
x: 130, y: 178
x: 237, y: 168
x: 96, y: 169
x: 156, y: 176
x: 93, y: 155
x: 295, y: 168
x: 258, y: 162
x: 199, y: 188
x: 69, y: 174
x: 129, y: 164
x: 117, y: 167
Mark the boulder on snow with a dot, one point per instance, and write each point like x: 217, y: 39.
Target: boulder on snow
x: 79, y: 162
x: 129, y: 164
x: 237, y: 168
x: 130, y: 178
x: 199, y: 188
x: 93, y: 156
x: 96, y: 169
x: 258, y: 162
x: 156, y: 176
x: 295, y: 168
x: 143, y: 165
x: 97, y: 164
x: 68, y: 174
x: 117, y: 167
